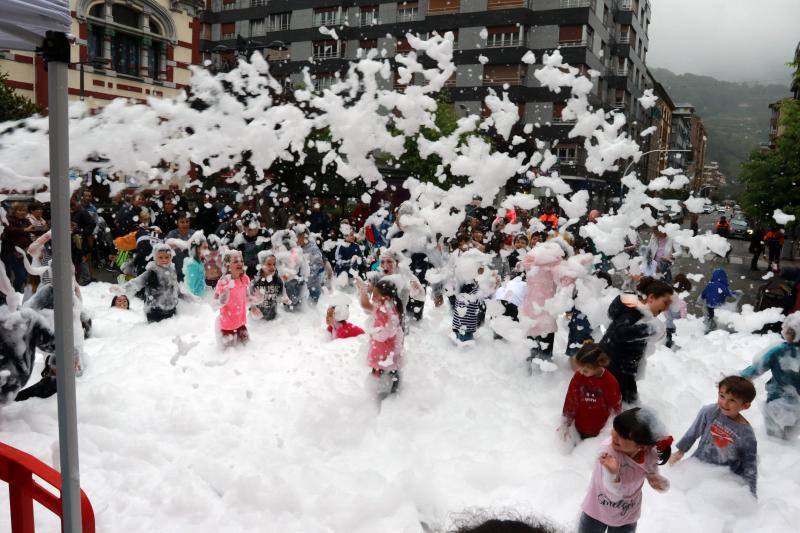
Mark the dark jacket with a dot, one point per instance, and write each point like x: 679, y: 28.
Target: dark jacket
x: 625, y: 339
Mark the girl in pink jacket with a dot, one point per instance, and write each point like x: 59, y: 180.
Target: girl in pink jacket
x: 232, y: 297
x: 385, y: 335
x: 630, y: 456
x: 546, y: 271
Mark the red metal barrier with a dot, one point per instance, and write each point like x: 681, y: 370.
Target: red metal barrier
x: 17, y: 468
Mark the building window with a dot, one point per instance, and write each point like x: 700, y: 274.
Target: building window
x: 227, y: 5
x: 154, y: 60
x: 257, y: 27
x: 95, y: 41
x: 567, y: 154
x: 228, y: 30
x: 500, y: 37
x: 125, y: 53
x: 443, y: 7
x: 403, y: 46
x: 327, y: 49
x: 426, y: 35
x: 125, y: 16
x: 503, y: 74
x: 328, y: 16
x: 368, y: 44
x: 324, y: 81
x: 368, y: 16
x: 407, y: 11
x: 138, y: 51
x: 279, y: 21
x: 571, y: 36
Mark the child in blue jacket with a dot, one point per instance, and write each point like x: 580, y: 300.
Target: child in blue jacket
x: 714, y: 295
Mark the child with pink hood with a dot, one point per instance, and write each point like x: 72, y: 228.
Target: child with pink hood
x: 547, y: 270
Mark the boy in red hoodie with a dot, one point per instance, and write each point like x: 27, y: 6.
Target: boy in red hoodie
x: 338, y: 326
x: 593, y: 394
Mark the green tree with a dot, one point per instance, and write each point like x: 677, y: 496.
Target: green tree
x: 772, y: 178
x: 14, y: 106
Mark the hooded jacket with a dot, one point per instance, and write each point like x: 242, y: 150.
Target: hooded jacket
x: 626, y: 338
x: 717, y: 290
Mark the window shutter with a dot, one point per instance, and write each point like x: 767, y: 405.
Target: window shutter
x: 503, y: 29
x: 404, y: 46
x: 570, y: 33
x: 228, y: 27
x: 443, y: 6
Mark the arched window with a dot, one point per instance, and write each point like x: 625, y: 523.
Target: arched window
x: 133, y: 40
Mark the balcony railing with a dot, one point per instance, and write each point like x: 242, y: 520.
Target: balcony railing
x: 503, y: 42
x: 407, y: 15
x: 502, y: 80
x: 368, y: 19
x: 507, y: 4
x: 576, y: 3
x: 624, y: 38
x: 625, y: 5
x: 573, y: 43
x: 620, y: 71
x: 328, y: 54
x: 278, y: 55
x: 619, y: 105
x: 278, y: 26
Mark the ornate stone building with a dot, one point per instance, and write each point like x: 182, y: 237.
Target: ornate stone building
x: 124, y: 48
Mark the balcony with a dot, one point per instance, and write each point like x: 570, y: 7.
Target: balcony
x: 496, y: 81
x: 453, y: 7
x: 620, y: 72
x: 572, y: 43
x: 507, y: 4
x: 328, y: 54
x: 368, y: 19
x: 625, y: 5
x: 407, y: 15
x: 504, y: 40
x: 278, y: 55
x: 619, y: 105
x: 566, y: 4
x: 624, y: 38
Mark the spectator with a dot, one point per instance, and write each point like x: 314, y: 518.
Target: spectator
x: 167, y: 220
x: 774, y: 241
x: 37, y: 220
x: 182, y: 232
x: 756, y: 247
x: 318, y: 220
x: 17, y: 233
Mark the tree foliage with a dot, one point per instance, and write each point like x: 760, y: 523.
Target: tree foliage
x: 14, y: 106
x: 772, y: 177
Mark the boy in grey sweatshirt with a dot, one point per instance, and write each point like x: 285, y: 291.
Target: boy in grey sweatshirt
x: 726, y: 438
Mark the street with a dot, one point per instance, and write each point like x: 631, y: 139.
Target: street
x: 739, y: 273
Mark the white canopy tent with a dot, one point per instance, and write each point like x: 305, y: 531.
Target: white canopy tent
x: 44, y: 25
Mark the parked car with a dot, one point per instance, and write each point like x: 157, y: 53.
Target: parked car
x: 740, y: 229
x: 721, y: 209
x: 708, y: 208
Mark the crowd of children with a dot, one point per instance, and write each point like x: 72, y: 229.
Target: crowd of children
x: 508, y: 257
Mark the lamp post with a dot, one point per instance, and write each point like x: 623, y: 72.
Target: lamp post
x: 625, y: 173
x: 93, y: 61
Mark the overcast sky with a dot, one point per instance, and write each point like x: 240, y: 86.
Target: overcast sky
x: 734, y: 40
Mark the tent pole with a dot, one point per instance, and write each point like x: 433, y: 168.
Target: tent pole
x: 56, y: 52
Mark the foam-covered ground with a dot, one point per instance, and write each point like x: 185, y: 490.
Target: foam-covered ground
x: 282, y: 435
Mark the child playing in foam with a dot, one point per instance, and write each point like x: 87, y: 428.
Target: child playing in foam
x: 338, y: 326
x: 232, y: 295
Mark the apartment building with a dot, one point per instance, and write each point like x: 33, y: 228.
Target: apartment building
x: 661, y: 119
x: 492, y: 36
